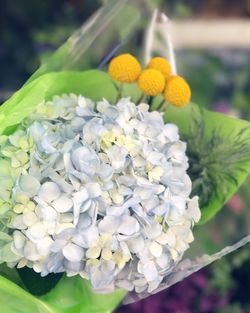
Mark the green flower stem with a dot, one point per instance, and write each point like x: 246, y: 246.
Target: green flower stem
x: 120, y: 87
x: 141, y: 98
x: 163, y: 106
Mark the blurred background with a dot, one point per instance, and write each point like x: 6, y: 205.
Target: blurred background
x: 212, y: 41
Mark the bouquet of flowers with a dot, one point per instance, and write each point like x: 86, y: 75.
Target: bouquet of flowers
x: 105, y: 173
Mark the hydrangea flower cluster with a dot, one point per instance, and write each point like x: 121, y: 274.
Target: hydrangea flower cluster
x: 97, y: 190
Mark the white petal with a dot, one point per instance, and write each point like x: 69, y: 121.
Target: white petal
x: 30, y: 218
x: 163, y: 261
x: 84, y: 221
x: 140, y: 282
x: 143, y: 193
x: 48, y: 214
x: 22, y: 263
x: 94, y: 190
x: 171, y: 238
x: 93, y: 253
x: 66, y: 218
x: 30, y: 252
x: 62, y: 204
x: 73, y: 253
x: 178, y: 204
x: 86, y: 206
x: 154, y: 284
x: 80, y: 196
x: 49, y: 191
x: 129, y: 225
x: 19, y: 239
x: 136, y: 244
x: 87, y: 238
x: 43, y: 245
x: 61, y: 227
x: 36, y: 231
x: 162, y: 239
x: 18, y: 222
x: 37, y: 267
x: 150, y: 271
x: 171, y: 131
x: 125, y: 284
x: 193, y: 209
x: 155, y: 249
x: 107, y: 267
x: 29, y: 184
x: 109, y: 224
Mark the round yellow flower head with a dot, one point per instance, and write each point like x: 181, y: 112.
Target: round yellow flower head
x: 151, y: 82
x: 124, y: 68
x: 162, y: 65
x: 177, y: 91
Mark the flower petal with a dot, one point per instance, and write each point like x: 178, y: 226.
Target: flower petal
x: 73, y: 253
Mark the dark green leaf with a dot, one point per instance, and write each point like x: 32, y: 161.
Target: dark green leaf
x: 35, y: 283
x: 219, y: 152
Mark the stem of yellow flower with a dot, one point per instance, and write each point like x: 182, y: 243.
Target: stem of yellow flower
x: 150, y: 101
x: 142, y: 97
x: 119, y: 89
x: 119, y: 93
x: 163, y: 105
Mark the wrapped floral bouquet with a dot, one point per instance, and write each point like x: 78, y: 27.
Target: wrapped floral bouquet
x: 104, y: 175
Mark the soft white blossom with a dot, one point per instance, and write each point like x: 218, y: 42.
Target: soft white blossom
x: 97, y: 190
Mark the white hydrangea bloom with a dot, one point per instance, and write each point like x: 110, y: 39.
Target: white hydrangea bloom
x: 98, y: 190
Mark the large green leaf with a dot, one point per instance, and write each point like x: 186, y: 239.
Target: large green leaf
x: 92, y: 84
x: 224, y: 144
x: 71, y: 295
x: 74, y: 295
x: 14, y: 299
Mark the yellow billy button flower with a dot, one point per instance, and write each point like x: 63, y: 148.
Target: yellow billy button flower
x: 151, y: 82
x: 177, y: 91
x: 124, y: 68
x: 162, y: 65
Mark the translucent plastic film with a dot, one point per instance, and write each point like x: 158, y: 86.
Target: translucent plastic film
x: 118, y: 26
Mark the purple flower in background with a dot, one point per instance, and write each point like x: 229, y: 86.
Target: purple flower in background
x: 222, y: 107
x: 191, y: 295
x: 236, y: 204
x: 212, y: 302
